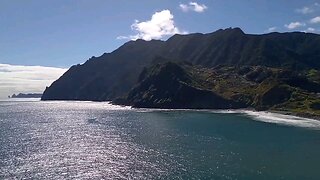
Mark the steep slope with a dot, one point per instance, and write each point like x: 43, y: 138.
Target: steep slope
x: 105, y: 77
x: 181, y: 85
x: 114, y: 74
x: 233, y: 47
x: 169, y: 85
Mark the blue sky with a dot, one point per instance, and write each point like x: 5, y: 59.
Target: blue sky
x: 59, y: 33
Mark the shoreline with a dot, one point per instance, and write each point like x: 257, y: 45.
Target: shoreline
x: 270, y: 116
x: 287, y: 114
x: 308, y: 115
x: 273, y: 117
x: 301, y: 115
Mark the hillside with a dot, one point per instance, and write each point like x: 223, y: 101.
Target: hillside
x: 182, y: 85
x: 114, y: 74
x: 170, y: 85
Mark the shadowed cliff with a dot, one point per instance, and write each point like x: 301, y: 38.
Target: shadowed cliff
x: 183, y: 85
x: 113, y: 74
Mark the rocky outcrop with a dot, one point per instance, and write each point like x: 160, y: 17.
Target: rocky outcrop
x: 275, y: 95
x: 186, y: 86
x: 26, y: 95
x: 168, y: 85
x: 113, y: 74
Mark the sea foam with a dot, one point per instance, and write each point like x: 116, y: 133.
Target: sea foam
x: 263, y: 116
x: 289, y: 120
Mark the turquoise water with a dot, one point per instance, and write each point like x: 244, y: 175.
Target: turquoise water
x: 89, y: 140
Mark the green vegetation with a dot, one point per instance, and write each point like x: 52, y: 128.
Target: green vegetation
x: 112, y: 75
x: 258, y: 87
x: 223, y: 69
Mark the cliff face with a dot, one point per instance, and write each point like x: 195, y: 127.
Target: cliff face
x: 170, y: 85
x: 233, y: 47
x: 182, y: 85
x: 113, y: 74
x: 105, y: 77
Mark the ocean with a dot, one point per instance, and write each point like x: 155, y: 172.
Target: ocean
x: 97, y: 140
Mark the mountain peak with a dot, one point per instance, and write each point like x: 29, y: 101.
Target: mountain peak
x: 114, y: 74
x: 235, y: 30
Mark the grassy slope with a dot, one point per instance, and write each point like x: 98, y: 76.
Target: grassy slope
x: 259, y: 87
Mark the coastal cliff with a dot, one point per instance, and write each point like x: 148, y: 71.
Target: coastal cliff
x: 112, y: 75
x: 223, y: 69
x: 183, y: 85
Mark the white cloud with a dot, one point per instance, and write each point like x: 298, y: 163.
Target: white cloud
x: 26, y: 79
x: 305, y: 10
x: 315, y: 20
x: 184, y: 7
x: 272, y: 29
x: 193, y: 6
x: 310, y: 29
x: 294, y: 25
x: 160, y: 25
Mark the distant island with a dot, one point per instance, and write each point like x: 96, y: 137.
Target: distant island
x: 225, y: 69
x: 27, y: 95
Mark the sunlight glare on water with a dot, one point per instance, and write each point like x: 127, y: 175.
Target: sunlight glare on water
x: 97, y: 140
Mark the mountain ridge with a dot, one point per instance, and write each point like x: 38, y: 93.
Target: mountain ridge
x: 182, y: 85
x: 114, y: 74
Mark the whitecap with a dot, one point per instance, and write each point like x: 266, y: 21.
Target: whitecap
x: 278, y: 118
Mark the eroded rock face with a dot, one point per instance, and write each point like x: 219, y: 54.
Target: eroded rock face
x: 170, y: 86
x: 183, y: 85
x: 113, y: 74
x: 315, y: 106
x: 275, y: 95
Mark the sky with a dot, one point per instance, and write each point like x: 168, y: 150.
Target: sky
x: 26, y: 79
x: 37, y: 34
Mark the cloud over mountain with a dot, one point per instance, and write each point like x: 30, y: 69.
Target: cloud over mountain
x: 160, y: 25
x: 295, y: 25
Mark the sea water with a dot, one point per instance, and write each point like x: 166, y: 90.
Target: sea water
x: 96, y: 140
